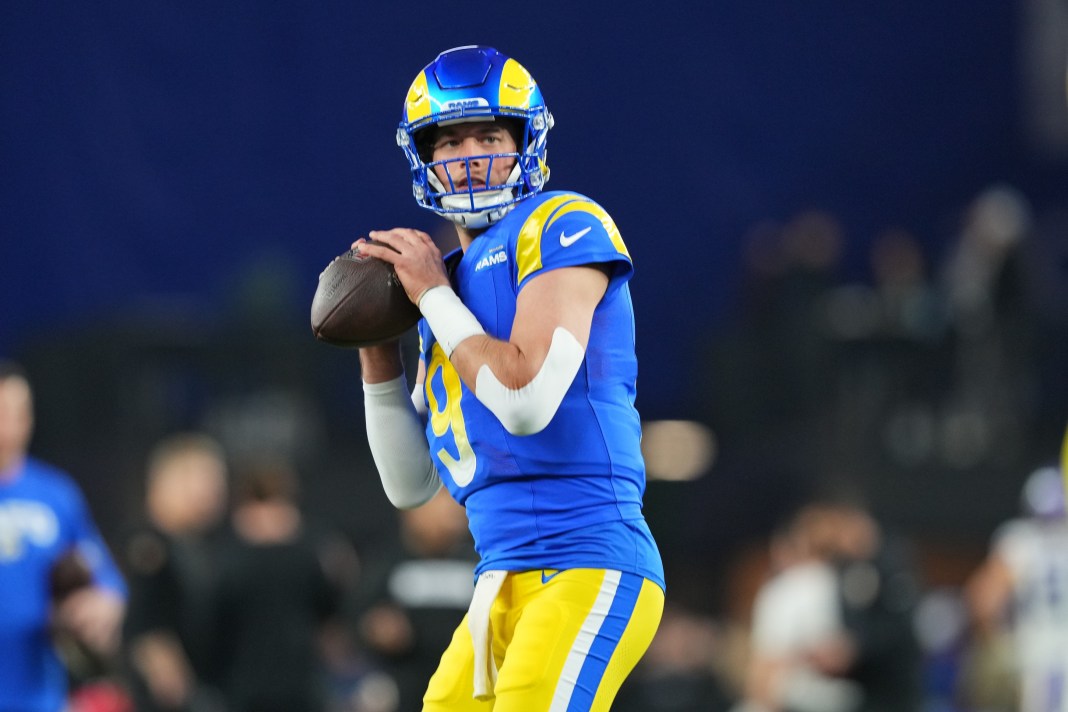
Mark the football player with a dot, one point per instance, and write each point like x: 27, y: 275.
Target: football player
x: 526, y: 382
x: 1020, y: 589
x: 1064, y: 462
x: 46, y: 526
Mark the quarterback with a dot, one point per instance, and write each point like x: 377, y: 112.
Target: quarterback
x: 524, y: 399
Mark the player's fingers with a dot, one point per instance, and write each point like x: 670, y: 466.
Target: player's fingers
x: 422, y: 237
x: 381, y: 251
x: 394, y: 238
x: 407, y: 234
x: 408, y: 245
x: 413, y: 234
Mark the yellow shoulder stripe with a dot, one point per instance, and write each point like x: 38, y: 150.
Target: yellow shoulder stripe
x: 528, y: 247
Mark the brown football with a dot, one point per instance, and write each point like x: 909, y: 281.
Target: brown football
x: 359, y: 302
x: 69, y: 573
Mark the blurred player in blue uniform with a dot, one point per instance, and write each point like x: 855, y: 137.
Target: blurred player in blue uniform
x: 43, y: 519
x: 526, y: 382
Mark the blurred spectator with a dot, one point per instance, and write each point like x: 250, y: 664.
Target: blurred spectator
x: 812, y: 245
x: 941, y: 625
x: 908, y: 304
x: 985, y: 282
x: 878, y: 591
x: 833, y: 629
x: 415, y: 594
x: 1020, y: 590
x: 57, y: 578
x: 891, y: 368
x: 789, y: 269
x: 171, y: 560
x: 799, y: 646
x: 280, y: 591
x: 770, y: 371
x: 983, y: 271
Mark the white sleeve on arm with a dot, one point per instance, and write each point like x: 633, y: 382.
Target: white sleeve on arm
x: 527, y: 410
x: 398, y: 444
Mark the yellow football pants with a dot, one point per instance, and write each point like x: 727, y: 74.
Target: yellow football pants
x: 563, y: 641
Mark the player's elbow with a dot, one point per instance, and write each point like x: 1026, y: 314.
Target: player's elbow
x: 404, y: 498
x: 522, y: 411
x: 528, y: 409
x: 524, y: 421
x: 412, y: 487
x: 405, y: 501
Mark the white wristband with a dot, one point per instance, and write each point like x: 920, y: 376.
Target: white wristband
x: 449, y: 319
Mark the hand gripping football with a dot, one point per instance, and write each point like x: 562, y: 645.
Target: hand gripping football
x: 360, y: 302
x: 69, y: 573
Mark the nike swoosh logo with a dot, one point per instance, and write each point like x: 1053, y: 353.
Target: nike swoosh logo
x: 569, y: 240
x: 546, y: 578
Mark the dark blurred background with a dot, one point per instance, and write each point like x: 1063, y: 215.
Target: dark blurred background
x: 849, y: 221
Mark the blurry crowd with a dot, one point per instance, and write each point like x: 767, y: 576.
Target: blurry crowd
x: 914, y: 363
x: 876, y: 426
x: 841, y: 619
x: 264, y: 608
x: 224, y: 594
x: 265, y: 571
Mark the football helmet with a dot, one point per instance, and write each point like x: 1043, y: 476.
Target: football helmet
x: 475, y: 83
x: 1043, y: 493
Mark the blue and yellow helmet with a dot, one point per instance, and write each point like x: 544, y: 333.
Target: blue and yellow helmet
x: 475, y: 83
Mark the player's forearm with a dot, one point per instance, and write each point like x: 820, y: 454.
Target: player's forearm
x: 522, y: 389
x: 469, y: 348
x: 528, y: 395
x: 398, y: 444
x: 512, y: 366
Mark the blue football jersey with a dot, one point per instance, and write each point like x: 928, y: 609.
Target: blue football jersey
x: 42, y: 515
x: 569, y: 496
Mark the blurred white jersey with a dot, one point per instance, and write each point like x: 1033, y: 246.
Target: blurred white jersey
x: 1036, y: 552
x: 797, y: 610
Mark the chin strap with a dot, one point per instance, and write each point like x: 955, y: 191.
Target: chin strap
x: 487, y: 203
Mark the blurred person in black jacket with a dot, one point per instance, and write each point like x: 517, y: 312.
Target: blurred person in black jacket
x: 279, y: 596
x: 878, y: 592
x: 852, y: 647
x: 170, y: 560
